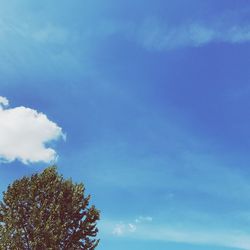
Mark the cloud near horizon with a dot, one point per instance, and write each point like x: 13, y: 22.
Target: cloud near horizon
x: 25, y: 134
x: 232, y: 238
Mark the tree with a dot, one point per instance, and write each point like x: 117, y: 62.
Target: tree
x: 45, y: 211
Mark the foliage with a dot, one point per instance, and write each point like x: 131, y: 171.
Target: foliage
x: 45, y: 211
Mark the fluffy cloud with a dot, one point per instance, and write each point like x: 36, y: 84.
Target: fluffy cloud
x: 25, y: 134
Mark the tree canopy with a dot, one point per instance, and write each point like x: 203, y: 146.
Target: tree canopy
x: 45, y: 211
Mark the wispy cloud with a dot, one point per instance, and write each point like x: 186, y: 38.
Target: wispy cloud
x: 141, y: 219
x: 228, y: 238
x: 155, y: 35
x: 208, y: 237
x: 121, y: 228
x: 43, y: 33
x: 24, y: 134
x: 51, y: 42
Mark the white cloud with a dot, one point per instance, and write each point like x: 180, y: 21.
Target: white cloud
x: 25, y: 134
x: 3, y: 102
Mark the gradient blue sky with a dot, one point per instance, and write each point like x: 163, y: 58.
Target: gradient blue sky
x: 154, y: 99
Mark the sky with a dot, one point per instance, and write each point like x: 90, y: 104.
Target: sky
x: 145, y: 102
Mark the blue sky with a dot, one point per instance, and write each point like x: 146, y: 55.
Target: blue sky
x: 153, y: 99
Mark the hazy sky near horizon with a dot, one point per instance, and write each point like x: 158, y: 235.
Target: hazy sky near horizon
x: 146, y: 102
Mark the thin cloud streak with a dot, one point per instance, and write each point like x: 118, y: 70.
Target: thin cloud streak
x: 158, y: 36
x: 230, y: 238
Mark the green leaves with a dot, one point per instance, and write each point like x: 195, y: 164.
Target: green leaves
x: 45, y: 211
